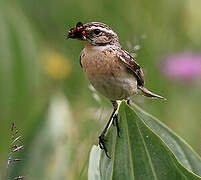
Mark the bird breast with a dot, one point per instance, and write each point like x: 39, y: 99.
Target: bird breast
x: 107, y: 74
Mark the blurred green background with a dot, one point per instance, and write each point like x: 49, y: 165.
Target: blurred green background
x: 43, y: 89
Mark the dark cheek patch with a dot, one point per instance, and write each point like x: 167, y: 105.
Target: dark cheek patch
x: 102, y: 40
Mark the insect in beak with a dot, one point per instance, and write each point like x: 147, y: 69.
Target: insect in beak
x: 78, y: 32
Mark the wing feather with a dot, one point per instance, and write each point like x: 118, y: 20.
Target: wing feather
x: 130, y: 62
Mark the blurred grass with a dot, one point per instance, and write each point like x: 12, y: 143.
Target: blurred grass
x: 33, y: 51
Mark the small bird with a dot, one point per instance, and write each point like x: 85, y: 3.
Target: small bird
x: 111, y: 70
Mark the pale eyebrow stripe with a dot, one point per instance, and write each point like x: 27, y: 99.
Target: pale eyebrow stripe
x: 103, y: 29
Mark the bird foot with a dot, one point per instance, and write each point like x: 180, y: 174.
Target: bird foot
x: 102, y: 144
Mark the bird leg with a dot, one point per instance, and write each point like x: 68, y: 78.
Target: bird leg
x: 112, y: 117
x: 115, y: 122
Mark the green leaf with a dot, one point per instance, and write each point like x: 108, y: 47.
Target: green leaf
x: 183, y: 152
x: 20, y: 73
x: 139, y: 153
x: 94, y: 159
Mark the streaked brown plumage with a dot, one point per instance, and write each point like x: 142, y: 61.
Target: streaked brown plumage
x: 110, y: 69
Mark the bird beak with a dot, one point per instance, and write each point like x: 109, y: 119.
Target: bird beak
x: 76, y: 35
x: 71, y: 33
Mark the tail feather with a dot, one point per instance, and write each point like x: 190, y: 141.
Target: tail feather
x: 149, y: 94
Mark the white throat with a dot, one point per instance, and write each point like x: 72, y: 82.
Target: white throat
x: 102, y: 47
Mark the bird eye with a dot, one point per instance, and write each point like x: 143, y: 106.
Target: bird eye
x: 97, y: 31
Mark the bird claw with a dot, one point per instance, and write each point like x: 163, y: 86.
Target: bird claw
x: 114, y: 119
x: 102, y: 145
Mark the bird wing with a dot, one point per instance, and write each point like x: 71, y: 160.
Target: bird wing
x: 80, y: 60
x: 130, y: 62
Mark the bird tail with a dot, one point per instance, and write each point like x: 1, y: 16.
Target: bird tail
x: 149, y: 94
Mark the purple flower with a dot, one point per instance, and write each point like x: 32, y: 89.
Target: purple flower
x: 184, y: 66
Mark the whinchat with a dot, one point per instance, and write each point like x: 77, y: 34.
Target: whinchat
x: 111, y: 70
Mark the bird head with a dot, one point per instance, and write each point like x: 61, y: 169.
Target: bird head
x: 94, y: 33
